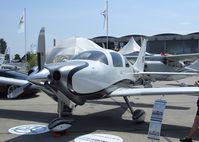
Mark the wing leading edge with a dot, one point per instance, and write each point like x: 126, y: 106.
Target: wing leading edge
x: 154, y: 91
x: 165, y: 73
x: 12, y: 81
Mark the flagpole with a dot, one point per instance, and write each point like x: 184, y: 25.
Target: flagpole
x: 107, y: 24
x: 25, y: 33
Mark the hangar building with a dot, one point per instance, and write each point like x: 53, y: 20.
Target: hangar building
x: 161, y: 43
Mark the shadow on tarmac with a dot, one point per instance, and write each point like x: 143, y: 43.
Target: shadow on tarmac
x: 108, y: 120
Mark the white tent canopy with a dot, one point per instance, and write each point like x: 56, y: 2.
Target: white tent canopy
x: 70, y: 47
x: 130, y: 47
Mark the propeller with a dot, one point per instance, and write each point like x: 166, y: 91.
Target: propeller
x: 45, y: 77
x: 36, y: 76
x: 41, y: 74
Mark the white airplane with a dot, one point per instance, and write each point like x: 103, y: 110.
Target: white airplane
x: 176, y: 66
x: 94, y: 74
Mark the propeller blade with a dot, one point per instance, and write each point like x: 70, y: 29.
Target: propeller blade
x: 41, y: 56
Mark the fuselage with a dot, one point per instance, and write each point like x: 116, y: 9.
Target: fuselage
x: 93, y: 71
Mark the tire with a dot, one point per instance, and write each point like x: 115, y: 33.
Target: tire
x: 11, y: 88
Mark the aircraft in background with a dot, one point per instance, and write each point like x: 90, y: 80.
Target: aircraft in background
x: 7, y: 66
x: 182, y: 64
x: 94, y: 74
x: 10, y: 80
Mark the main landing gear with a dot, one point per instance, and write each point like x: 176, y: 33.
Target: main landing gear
x: 138, y: 115
x: 147, y: 84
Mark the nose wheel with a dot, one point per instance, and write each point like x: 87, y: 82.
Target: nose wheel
x: 59, y: 126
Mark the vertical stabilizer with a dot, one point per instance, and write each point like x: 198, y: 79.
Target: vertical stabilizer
x: 139, y: 63
x: 41, y: 55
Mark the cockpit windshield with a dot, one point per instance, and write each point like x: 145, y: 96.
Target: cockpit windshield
x: 92, y: 55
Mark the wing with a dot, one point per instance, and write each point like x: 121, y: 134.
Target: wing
x: 192, y: 57
x: 154, y: 91
x: 168, y: 58
x: 169, y: 73
x: 165, y: 73
x: 16, y: 82
x: 180, y: 60
x: 12, y: 81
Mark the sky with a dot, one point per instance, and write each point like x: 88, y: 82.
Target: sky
x: 82, y: 18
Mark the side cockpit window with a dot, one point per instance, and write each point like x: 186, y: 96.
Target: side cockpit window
x: 92, y: 55
x: 117, y: 59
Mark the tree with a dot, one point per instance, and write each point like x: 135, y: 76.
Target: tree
x: 31, y: 59
x: 3, y: 46
x: 7, y: 58
x: 17, y: 57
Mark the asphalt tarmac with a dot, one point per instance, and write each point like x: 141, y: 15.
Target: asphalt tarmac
x: 106, y: 116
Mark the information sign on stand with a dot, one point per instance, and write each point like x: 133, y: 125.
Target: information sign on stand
x: 156, y: 120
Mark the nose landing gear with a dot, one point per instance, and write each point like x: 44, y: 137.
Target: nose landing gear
x: 59, y: 126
